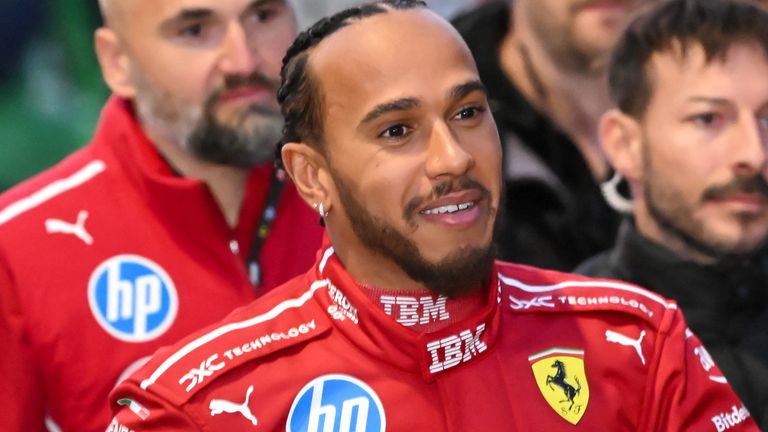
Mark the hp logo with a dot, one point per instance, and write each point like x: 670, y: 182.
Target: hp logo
x: 336, y: 403
x: 132, y: 298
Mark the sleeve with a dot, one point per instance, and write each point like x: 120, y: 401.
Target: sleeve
x: 687, y: 390
x: 138, y: 410
x: 21, y: 392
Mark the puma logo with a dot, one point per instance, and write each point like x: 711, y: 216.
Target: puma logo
x: 219, y: 406
x: 56, y: 226
x: 612, y: 336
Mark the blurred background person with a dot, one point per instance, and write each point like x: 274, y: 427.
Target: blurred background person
x: 690, y: 136
x: 171, y: 217
x: 544, y: 64
x: 51, y: 91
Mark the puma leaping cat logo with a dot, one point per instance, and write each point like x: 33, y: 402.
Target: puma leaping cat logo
x: 219, y: 406
x: 612, y: 336
x: 77, y: 229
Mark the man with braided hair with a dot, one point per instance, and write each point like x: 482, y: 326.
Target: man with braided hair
x: 406, y: 322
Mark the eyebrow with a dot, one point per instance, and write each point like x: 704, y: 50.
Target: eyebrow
x: 458, y: 92
x: 710, y: 100
x: 203, y: 13
x: 462, y: 90
x: 183, y: 16
x: 403, y: 104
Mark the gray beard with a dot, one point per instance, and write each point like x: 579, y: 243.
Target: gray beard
x: 249, y: 142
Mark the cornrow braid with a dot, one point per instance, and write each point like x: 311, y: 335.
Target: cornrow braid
x: 299, y: 95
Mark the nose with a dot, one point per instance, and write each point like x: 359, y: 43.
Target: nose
x: 446, y: 156
x: 751, y: 152
x: 237, y: 57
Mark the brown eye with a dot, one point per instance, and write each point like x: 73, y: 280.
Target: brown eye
x: 469, y: 112
x: 192, y: 31
x: 396, y: 131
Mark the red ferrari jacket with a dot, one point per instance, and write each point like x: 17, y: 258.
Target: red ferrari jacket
x: 549, y: 351
x: 109, y: 256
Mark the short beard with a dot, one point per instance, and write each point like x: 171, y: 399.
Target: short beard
x: 674, y: 219
x: 459, y: 273
x: 249, y: 142
x: 238, y: 145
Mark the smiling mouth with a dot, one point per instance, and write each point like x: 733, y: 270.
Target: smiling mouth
x: 449, y: 209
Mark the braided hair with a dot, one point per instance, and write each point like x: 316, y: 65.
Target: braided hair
x: 299, y: 95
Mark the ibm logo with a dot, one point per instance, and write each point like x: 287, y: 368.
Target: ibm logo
x: 336, y: 403
x: 132, y: 298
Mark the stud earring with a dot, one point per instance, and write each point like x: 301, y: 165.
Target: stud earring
x: 322, y: 211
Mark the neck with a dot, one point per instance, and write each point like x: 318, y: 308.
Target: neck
x: 573, y: 101
x: 651, y: 229
x: 226, y: 183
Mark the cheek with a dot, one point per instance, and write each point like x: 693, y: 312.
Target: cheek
x: 273, y: 46
x: 189, y: 83
x: 486, y: 150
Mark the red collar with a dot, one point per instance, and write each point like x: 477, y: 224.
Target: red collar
x: 368, y: 326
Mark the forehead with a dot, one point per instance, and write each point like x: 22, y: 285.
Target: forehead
x: 740, y: 73
x: 153, y: 11
x: 405, y: 53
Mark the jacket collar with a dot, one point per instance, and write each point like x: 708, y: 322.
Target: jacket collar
x: 120, y: 140
x: 729, y: 294
x: 366, y: 325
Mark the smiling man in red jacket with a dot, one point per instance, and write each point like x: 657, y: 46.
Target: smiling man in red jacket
x: 406, y: 323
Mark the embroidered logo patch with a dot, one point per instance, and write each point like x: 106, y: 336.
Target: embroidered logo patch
x: 336, y: 403
x: 135, y: 408
x: 560, y: 376
x: 132, y: 298
x: 221, y: 406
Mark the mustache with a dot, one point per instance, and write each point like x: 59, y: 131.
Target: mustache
x: 236, y: 82
x: 256, y: 79
x: 739, y: 185
x: 581, y: 4
x: 443, y: 189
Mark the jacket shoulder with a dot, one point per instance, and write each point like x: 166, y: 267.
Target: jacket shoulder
x: 531, y: 289
x: 287, y: 317
x: 37, y: 193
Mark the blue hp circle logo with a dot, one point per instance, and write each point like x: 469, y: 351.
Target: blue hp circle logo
x: 132, y: 298
x: 336, y: 403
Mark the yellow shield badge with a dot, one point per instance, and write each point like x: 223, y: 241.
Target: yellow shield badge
x: 559, y: 373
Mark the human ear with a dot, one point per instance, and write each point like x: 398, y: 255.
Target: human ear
x: 114, y: 62
x: 308, y: 170
x: 622, y: 140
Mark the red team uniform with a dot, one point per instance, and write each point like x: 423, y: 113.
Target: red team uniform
x: 109, y: 256
x: 548, y: 351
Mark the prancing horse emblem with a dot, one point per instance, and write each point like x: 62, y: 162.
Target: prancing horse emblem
x: 560, y: 376
x: 559, y: 379
x: 219, y: 406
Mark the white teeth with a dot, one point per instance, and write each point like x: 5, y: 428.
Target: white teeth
x: 449, y: 208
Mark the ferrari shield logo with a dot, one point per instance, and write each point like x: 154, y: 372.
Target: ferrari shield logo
x: 559, y: 373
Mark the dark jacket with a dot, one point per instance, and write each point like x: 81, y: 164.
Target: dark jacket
x: 725, y: 305
x: 553, y: 214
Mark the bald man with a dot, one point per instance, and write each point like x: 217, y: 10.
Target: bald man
x: 170, y: 218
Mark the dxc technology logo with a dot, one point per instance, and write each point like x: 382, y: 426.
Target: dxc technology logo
x: 336, y: 403
x: 132, y: 298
